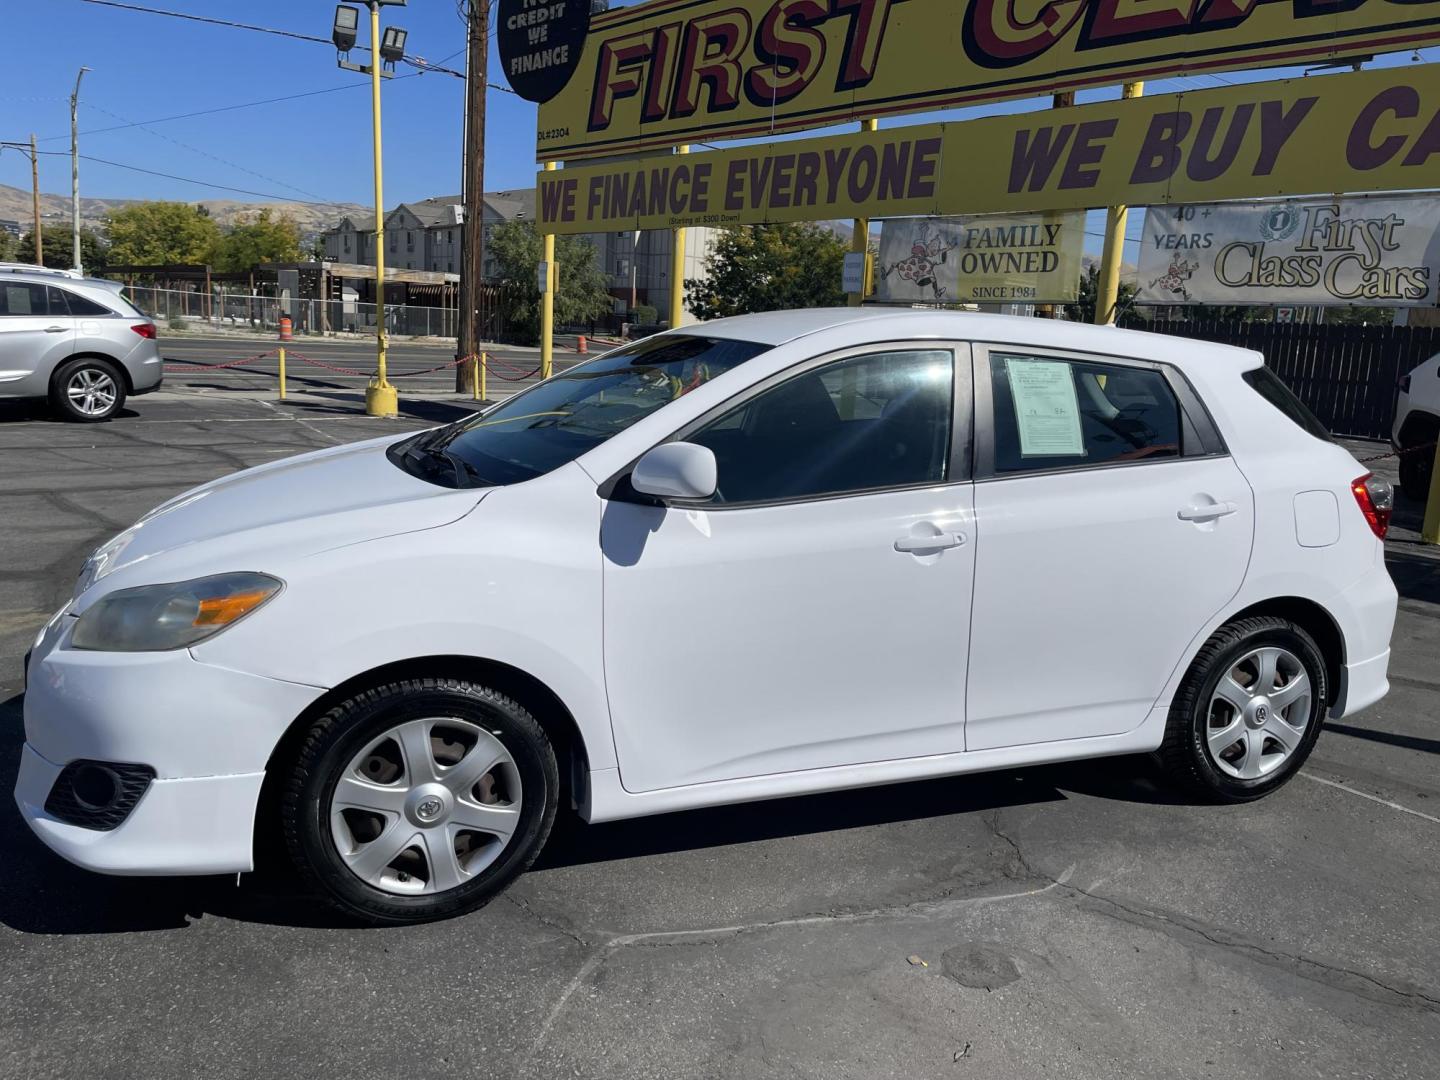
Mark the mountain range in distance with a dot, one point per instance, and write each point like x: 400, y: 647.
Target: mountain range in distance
x: 313, y: 218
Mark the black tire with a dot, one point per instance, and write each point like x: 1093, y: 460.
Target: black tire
x: 1415, y: 468
x: 1185, y: 754
x: 333, y: 741
x: 103, y: 373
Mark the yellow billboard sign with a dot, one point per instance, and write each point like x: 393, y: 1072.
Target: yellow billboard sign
x: 676, y: 71
x: 1362, y: 131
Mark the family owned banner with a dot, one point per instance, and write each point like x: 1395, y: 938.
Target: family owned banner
x: 1375, y: 251
x: 1002, y: 258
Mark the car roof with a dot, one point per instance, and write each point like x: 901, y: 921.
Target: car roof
x: 778, y: 327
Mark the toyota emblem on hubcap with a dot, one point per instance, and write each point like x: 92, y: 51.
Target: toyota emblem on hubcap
x: 1261, y: 712
x: 429, y: 809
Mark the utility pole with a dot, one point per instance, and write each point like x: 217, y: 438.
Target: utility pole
x: 75, y: 169
x: 472, y: 194
x: 35, y: 197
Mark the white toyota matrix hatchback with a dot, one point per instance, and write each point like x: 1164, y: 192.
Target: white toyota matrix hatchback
x: 769, y: 555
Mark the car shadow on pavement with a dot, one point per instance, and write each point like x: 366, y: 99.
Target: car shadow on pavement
x: 1416, y: 572
x: 40, y: 893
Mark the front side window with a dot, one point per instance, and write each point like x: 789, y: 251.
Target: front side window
x: 859, y: 424
x: 1051, y: 413
x: 556, y: 421
x: 20, y: 299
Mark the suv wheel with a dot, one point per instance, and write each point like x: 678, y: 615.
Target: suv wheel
x: 420, y: 799
x: 1415, y: 467
x: 87, y: 390
x: 1248, y: 711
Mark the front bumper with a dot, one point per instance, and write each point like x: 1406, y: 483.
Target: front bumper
x: 200, y: 826
x: 206, y: 731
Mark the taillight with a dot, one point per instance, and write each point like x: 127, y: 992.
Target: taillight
x: 1376, y: 499
x: 145, y: 329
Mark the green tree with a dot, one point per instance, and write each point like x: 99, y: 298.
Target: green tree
x: 153, y: 233
x: 257, y: 238
x: 57, y: 248
x: 10, y: 246
x: 581, y: 292
x: 1083, y: 309
x: 767, y: 268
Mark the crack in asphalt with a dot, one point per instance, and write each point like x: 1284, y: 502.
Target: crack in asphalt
x: 713, y: 936
x: 1177, y: 927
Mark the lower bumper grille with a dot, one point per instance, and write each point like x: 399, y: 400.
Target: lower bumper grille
x: 97, y: 794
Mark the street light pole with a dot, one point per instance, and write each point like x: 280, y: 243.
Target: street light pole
x: 75, y: 168
x: 380, y: 397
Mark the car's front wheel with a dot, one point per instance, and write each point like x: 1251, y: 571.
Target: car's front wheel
x: 1248, y: 711
x: 87, y: 390
x: 420, y: 799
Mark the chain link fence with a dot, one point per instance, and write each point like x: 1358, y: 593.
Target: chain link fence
x: 180, y: 309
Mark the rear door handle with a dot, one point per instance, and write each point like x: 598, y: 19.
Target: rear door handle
x: 920, y: 544
x: 54, y: 329
x: 1206, y: 513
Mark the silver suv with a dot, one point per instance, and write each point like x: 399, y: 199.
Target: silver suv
x: 75, y: 341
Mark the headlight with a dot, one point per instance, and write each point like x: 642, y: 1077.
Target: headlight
x: 157, y: 617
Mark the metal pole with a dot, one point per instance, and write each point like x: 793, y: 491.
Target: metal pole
x: 472, y: 189
x: 1430, y: 527
x: 75, y: 169
x: 547, y: 302
x: 35, y: 196
x: 860, y: 239
x: 380, y: 397
x: 282, y: 372
x: 677, y: 270
x: 1107, y: 286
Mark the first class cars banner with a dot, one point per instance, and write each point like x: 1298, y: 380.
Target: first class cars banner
x: 1381, y: 251
x: 1361, y: 131
x: 676, y: 71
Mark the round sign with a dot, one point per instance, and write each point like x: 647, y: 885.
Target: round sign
x: 540, y: 44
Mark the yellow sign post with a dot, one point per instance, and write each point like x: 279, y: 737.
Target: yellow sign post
x: 1107, y: 284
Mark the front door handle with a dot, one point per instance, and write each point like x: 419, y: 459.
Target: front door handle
x: 1208, y: 512
x: 54, y: 329
x: 917, y: 545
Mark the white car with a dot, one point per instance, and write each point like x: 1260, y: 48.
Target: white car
x: 776, y: 554
x: 1417, y: 426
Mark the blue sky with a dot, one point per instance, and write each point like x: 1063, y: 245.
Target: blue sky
x: 148, y: 67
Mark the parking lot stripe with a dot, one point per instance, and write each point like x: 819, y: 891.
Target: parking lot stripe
x: 1373, y: 798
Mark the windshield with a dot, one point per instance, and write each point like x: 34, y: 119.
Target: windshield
x: 556, y: 421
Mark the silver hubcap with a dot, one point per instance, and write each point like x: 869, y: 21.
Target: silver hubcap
x: 1258, y: 713
x: 426, y: 806
x: 91, y: 391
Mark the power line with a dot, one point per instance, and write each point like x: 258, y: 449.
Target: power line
x: 172, y: 176
x: 208, y: 19
x: 212, y: 157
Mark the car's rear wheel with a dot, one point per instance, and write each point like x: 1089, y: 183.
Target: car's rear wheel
x: 87, y: 390
x: 420, y: 799
x: 1248, y: 711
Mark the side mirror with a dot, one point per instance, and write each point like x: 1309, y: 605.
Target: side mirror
x: 677, y: 470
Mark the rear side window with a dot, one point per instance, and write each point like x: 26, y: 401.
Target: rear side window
x: 18, y: 299
x: 1051, y: 413
x: 1268, y: 385
x: 79, y: 306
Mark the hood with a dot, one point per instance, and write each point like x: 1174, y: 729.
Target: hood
x: 290, y: 508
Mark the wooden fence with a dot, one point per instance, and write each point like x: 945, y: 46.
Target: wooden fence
x: 1348, y: 375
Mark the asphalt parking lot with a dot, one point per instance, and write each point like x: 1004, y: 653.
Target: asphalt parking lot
x: 1073, y: 921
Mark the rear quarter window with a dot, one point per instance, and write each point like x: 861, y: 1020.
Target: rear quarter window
x: 1268, y: 385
